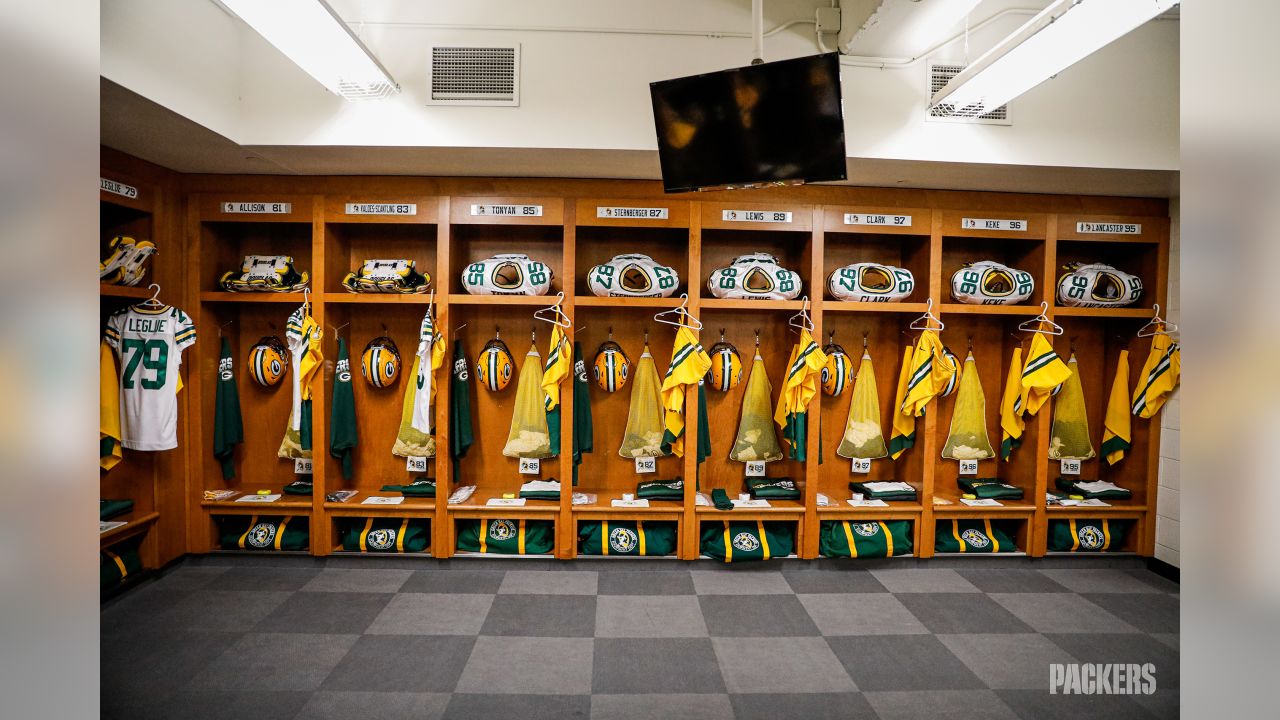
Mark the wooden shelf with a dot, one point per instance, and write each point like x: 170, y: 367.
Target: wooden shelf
x: 286, y: 505
x: 898, y: 509
x: 625, y: 302
x: 539, y: 300
x: 377, y: 298
x: 135, y: 524
x: 1117, y: 507
x: 475, y: 505
x: 1122, y: 312
x: 603, y: 506
x: 122, y: 291
x: 776, y: 507
x: 722, y: 304
x: 1007, y: 507
x: 411, y: 507
x: 963, y: 309
x: 225, y: 296
x: 840, y: 306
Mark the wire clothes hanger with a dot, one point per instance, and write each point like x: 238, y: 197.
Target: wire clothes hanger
x: 927, y: 317
x: 681, y: 313
x: 1033, y: 325
x: 557, y: 315
x: 801, y: 320
x: 1158, y: 325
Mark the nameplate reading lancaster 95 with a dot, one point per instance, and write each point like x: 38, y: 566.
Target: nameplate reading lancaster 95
x: 990, y: 224
x: 1109, y: 228
x: 632, y: 213
x: 382, y: 209
x: 257, y: 208
x: 767, y: 216
x: 119, y: 188
x: 874, y: 219
x: 506, y: 210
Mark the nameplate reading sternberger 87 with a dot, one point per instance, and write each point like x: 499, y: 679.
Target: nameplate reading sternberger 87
x: 257, y: 208
x: 632, y: 213
x: 382, y: 209
x: 507, y: 210
x: 1109, y: 228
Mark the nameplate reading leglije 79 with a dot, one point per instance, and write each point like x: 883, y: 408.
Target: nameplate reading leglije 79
x: 765, y: 216
x: 258, y: 208
x: 506, y: 210
x: 118, y: 188
x: 382, y: 208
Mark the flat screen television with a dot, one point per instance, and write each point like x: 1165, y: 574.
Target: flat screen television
x: 773, y: 123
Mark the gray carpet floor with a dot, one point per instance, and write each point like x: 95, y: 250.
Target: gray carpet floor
x: 284, y: 637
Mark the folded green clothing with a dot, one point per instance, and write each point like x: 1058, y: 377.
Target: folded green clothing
x: 773, y: 488
x: 108, y: 509
x: 417, y: 488
x: 884, y: 490
x: 721, y: 500
x: 298, y: 487
x: 1101, y: 490
x: 990, y: 488
x: 548, y: 489
x: 661, y: 489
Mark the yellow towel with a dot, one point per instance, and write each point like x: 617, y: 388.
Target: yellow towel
x: 109, y: 451
x: 1011, y: 422
x: 904, y: 424
x: 1042, y: 374
x: 1116, y: 433
x: 559, y: 363
x: 689, y: 362
x: 932, y: 370
x: 1159, y: 378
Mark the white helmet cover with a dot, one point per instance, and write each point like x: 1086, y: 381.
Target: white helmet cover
x: 871, y: 282
x: 1096, y: 285
x: 508, y: 274
x: 989, y: 283
x: 633, y: 275
x: 754, y: 277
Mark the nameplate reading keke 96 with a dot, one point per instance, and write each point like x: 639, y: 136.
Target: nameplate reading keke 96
x: 765, y: 216
x: 118, y: 188
x: 382, y: 208
x: 257, y: 208
x: 1109, y: 228
x: 506, y: 210
x: 632, y: 213
x: 876, y: 219
x: 993, y: 224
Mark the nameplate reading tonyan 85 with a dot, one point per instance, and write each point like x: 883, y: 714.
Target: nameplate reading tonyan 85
x: 506, y: 210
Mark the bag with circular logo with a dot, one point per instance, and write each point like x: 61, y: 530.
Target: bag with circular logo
x: 612, y: 367
x: 757, y: 276
x: 506, y: 536
x: 385, y: 535
x: 989, y: 283
x: 633, y: 275
x: 268, y: 360
x: 871, y: 282
x: 495, y: 367
x: 507, y: 274
x: 864, y: 539
x: 1097, y: 285
x: 119, y: 562
x: 263, y: 532
x: 747, y: 540
x: 638, y: 538
x: 972, y: 536
x: 387, y: 276
x: 726, y: 366
x: 837, y: 374
x: 380, y: 363
x: 1083, y: 535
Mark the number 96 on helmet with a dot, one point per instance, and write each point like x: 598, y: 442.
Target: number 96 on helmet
x: 380, y: 362
x: 495, y: 366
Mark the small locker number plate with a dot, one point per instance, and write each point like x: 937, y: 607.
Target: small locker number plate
x: 415, y: 464
x: 302, y: 466
x: 1070, y: 467
x: 968, y: 467
x: 530, y: 466
x: 861, y: 466
x: 755, y: 468
x: 646, y: 465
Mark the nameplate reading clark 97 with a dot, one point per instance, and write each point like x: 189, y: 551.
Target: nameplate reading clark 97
x: 506, y: 210
x: 765, y: 216
x: 876, y: 219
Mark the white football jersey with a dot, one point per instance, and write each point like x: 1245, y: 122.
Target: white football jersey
x: 1098, y: 285
x: 871, y: 282
x: 507, y: 274
x: 757, y: 276
x: 633, y: 275
x: 990, y: 283
x: 149, y: 342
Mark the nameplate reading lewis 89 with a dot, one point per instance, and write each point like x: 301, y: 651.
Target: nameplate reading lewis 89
x: 632, y: 213
x: 990, y: 224
x: 767, y: 216
x: 119, y: 188
x: 506, y: 210
x: 874, y: 219
x: 257, y: 208
x: 382, y: 209
x: 1109, y: 228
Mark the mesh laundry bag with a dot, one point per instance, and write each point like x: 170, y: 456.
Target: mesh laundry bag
x: 1069, y: 439
x: 863, y: 436
x: 643, y: 436
x: 756, y: 439
x: 529, y: 437
x: 968, y: 439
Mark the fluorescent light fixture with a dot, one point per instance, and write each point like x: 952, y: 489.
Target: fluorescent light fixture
x: 1063, y: 34
x: 312, y: 35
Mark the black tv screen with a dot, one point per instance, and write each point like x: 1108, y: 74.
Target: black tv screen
x: 778, y: 122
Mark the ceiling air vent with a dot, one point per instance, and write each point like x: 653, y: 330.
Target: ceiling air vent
x: 939, y: 76
x: 468, y: 75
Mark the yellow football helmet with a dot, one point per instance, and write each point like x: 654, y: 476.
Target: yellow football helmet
x: 380, y: 362
x: 495, y: 367
x: 268, y: 360
x: 612, y: 367
x: 726, y: 367
x: 837, y: 375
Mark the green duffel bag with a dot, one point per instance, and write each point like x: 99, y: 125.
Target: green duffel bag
x: 108, y: 509
x: 767, y: 488
x: 418, y: 488
x: 263, y: 532
x: 742, y: 540
x: 385, y: 535
x: 506, y: 537
x: 626, y: 537
x: 990, y: 489
x: 119, y: 562
x: 872, y: 539
x: 1081, y: 535
x: 661, y: 490
x: 971, y: 536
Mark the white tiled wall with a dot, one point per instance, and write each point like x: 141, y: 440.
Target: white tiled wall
x: 1167, y: 517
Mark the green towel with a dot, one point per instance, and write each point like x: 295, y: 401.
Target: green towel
x: 871, y: 494
x: 704, y: 432
x: 108, y: 509
x: 661, y: 489
x: 990, y: 488
x: 721, y: 500
x: 460, y: 433
x: 298, y: 487
x: 417, y: 488
x: 228, y: 428
x: 583, y: 431
x: 773, y: 488
x: 342, y: 423
x: 1069, y: 485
